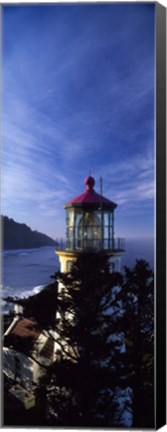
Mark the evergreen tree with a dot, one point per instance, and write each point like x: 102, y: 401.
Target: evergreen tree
x: 137, y: 323
x: 83, y: 381
x: 104, y: 330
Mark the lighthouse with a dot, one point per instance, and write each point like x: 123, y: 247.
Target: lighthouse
x: 90, y: 219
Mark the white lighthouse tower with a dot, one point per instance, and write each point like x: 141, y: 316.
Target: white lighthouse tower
x: 90, y: 227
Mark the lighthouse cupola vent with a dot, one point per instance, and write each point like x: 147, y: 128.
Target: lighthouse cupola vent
x: 89, y: 182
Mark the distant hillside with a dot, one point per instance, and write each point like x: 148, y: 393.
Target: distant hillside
x: 19, y: 236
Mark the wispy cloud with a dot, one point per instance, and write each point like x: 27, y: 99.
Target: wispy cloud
x: 78, y: 95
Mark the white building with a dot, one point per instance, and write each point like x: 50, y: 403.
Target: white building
x: 27, y: 352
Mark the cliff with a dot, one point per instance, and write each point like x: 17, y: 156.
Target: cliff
x: 19, y: 236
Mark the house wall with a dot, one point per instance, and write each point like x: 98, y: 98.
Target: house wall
x: 30, y: 371
x: 115, y: 263
x: 9, y: 366
x: 37, y: 372
x: 23, y: 369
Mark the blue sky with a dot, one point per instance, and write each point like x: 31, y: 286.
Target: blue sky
x: 78, y: 98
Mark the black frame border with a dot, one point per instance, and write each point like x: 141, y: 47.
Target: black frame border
x: 160, y: 246
x: 160, y: 307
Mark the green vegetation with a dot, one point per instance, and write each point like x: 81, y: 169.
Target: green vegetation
x: 137, y: 323
x: 41, y: 306
x: 81, y: 383
x: 105, y: 339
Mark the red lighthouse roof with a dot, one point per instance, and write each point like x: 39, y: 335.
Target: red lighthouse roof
x: 90, y: 197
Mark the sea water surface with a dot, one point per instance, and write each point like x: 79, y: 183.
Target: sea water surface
x: 26, y: 271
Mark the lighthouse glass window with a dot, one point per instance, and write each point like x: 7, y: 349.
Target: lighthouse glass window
x: 70, y: 220
x: 70, y: 217
x: 89, y: 231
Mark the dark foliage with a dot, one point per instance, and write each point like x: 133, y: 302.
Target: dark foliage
x: 21, y: 344
x: 41, y: 307
x: 82, y: 383
x: 105, y: 340
x: 137, y: 323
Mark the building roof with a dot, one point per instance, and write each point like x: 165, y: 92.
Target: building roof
x: 26, y: 328
x: 48, y: 349
x: 90, y: 197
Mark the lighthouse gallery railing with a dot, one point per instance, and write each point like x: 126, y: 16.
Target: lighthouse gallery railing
x: 115, y: 245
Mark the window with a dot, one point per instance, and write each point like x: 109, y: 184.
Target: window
x: 68, y: 266
x: 89, y: 231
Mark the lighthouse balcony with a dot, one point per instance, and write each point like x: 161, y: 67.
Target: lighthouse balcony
x: 116, y: 245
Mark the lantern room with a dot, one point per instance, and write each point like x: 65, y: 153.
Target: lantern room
x: 90, y: 222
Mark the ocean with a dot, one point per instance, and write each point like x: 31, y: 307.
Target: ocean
x: 26, y: 271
